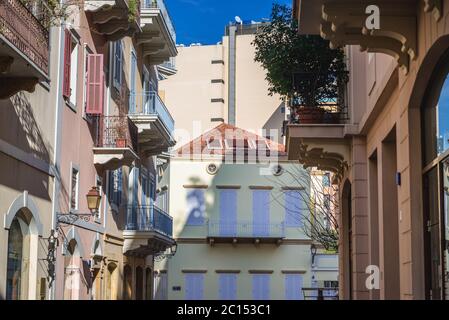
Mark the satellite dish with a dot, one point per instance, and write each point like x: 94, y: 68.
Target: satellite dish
x: 238, y: 20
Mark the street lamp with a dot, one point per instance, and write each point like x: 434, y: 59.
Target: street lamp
x: 93, y: 203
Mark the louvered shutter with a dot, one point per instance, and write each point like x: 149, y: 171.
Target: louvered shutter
x: 67, y: 54
x: 261, y: 213
x: 95, y: 87
x: 228, y: 212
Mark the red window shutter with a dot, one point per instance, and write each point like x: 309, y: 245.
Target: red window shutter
x: 95, y: 86
x: 67, y: 54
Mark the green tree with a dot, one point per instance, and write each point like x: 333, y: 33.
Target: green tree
x: 300, y: 67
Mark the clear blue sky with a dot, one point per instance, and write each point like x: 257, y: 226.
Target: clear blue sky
x: 204, y: 20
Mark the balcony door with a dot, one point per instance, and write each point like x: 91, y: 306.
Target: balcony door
x: 228, y: 213
x: 133, y: 199
x: 146, y: 91
x: 132, y: 85
x: 261, y: 213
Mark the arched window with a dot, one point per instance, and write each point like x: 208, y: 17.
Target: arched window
x: 127, y: 285
x: 148, y: 284
x: 435, y: 119
x: 18, y: 259
x: 139, y: 283
x: 111, y: 282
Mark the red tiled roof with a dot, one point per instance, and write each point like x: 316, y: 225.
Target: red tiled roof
x: 236, y: 140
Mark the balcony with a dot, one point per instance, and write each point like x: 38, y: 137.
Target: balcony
x: 343, y: 23
x: 115, y: 142
x: 148, y: 231
x: 316, y: 136
x: 154, y: 122
x: 158, y: 36
x: 114, y: 19
x: 245, y: 232
x: 24, y: 47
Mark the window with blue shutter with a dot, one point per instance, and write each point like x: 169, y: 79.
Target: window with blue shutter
x: 293, y: 287
x: 261, y: 286
x: 196, y: 207
x: 261, y: 213
x: 132, y: 87
x: 228, y: 213
x: 194, y: 286
x: 115, y: 186
x: 294, y: 208
x: 227, y: 286
x: 118, y: 64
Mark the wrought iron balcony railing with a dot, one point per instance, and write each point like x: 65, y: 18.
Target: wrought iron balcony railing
x: 159, y: 4
x: 27, y: 29
x: 246, y: 229
x: 320, y: 293
x: 115, y: 132
x: 149, y: 218
x: 149, y: 103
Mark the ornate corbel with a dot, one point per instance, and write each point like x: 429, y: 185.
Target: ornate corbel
x: 435, y: 7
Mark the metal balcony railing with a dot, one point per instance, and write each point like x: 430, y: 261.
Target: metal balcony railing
x: 115, y: 132
x: 149, y: 218
x: 27, y: 28
x: 246, y: 229
x: 159, y: 4
x: 149, y: 103
x: 320, y: 293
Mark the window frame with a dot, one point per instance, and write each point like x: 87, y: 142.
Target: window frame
x: 74, y: 167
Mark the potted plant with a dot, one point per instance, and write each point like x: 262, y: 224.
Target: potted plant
x: 302, y: 68
x: 120, y: 140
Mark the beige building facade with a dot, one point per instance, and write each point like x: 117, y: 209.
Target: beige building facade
x: 222, y: 84
x: 390, y: 156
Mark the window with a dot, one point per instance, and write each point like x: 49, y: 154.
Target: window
x: 227, y: 286
x: 118, y: 64
x: 326, y: 180
x: 132, y: 87
x: 194, y: 286
x: 228, y: 213
x: 74, y: 189
x: 261, y: 286
x: 293, y: 287
x: 70, y: 68
x: 115, y: 187
x: 214, y: 144
x: 294, y: 208
x: 196, y: 207
x: 162, y: 200
x: 17, y: 261
x: 261, y: 213
x: 161, y: 286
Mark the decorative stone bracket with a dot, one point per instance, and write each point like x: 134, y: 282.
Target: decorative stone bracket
x: 345, y: 24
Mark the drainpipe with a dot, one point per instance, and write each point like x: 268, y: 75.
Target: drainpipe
x: 232, y: 65
x: 57, y: 142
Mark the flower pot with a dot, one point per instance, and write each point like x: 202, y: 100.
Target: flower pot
x: 310, y: 115
x: 120, y: 143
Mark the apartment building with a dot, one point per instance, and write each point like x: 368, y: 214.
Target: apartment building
x: 91, y: 122
x: 228, y: 85
x: 239, y: 208
x: 390, y: 157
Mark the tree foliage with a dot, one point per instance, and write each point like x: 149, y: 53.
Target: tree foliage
x: 319, y: 71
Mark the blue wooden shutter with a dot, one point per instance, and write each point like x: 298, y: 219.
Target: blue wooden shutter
x: 132, y: 89
x: 261, y: 213
x: 228, y: 213
x: 196, y: 207
x: 293, y: 287
x: 294, y: 207
x: 194, y: 285
x: 261, y: 286
x: 227, y: 286
x: 119, y: 186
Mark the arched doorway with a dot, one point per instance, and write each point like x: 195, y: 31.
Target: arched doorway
x: 346, y: 241
x: 72, y: 271
x: 435, y: 123
x: 148, y: 284
x: 127, y: 282
x: 18, y: 259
